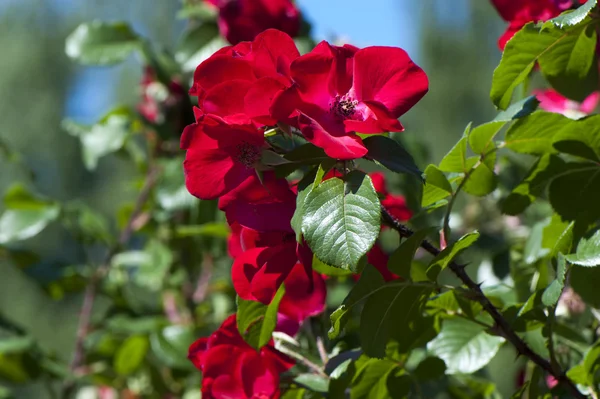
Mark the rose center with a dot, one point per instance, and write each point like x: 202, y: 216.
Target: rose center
x: 247, y: 154
x: 343, y: 107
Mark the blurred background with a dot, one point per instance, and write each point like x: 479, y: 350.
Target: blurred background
x: 453, y: 41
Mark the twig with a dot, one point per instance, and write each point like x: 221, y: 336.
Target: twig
x: 502, y: 326
x: 91, y: 290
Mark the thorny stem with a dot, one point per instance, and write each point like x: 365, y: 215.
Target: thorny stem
x: 92, y: 288
x: 501, y: 326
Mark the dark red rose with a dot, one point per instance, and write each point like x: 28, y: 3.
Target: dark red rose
x: 220, y: 156
x: 238, y: 83
x: 338, y: 91
x: 233, y: 369
x: 243, y: 20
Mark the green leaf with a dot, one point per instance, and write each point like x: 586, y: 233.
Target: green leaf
x: 445, y: 257
x: 571, y: 67
x: 15, y: 344
x: 580, y: 138
x: 400, y: 262
x: 256, y: 321
x: 569, y: 18
x: 305, y: 186
x: 584, y: 373
x: 171, y: 346
x: 481, y: 181
x: 437, y: 186
x: 392, y: 155
x: 588, y: 252
x: 552, y: 293
x: 429, y: 369
x: 194, y: 40
x: 533, y: 250
x: 455, y: 160
x: 558, y: 236
x: 481, y: 138
x: 518, y: 110
x: 342, y: 219
x: 340, y: 378
x: 371, y: 381
x: 315, y: 383
x: 574, y: 194
x: 535, y: 133
x: 370, y: 280
x: 171, y: 193
x: 101, y: 43
x: 464, y: 346
x: 534, y: 185
x: 130, y: 355
x: 386, y: 309
x: 26, y: 214
x: 103, y: 138
x: 323, y: 268
x: 560, y: 53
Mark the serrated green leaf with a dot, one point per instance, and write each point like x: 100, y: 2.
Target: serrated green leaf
x: 553, y: 291
x: 315, y: 383
x: 558, y: 236
x: 15, y: 344
x: 370, y: 280
x: 569, y: 18
x: 481, y: 138
x: 585, y: 372
x: 574, y: 195
x: 371, y: 379
x: 392, y: 155
x: 588, y: 252
x: 580, y: 138
x: 481, y: 181
x: 464, y: 346
x: 400, y: 261
x: 534, y: 184
x: 342, y: 219
x: 130, y: 355
x: 327, y: 270
x: 101, y: 43
x: 385, y: 310
x: 535, y: 133
x: 256, y: 321
x: 437, y: 187
x: 518, y: 110
x: 445, y: 257
x: 556, y: 51
x: 455, y: 160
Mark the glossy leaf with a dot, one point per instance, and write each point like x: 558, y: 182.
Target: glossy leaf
x: 553, y: 291
x: 481, y: 138
x: 575, y: 17
x: 256, y: 321
x: 342, y: 219
x: 437, y: 186
x: 464, y: 346
x: 391, y: 154
x: 588, y: 252
x: 400, y: 262
x: 535, y: 133
x: 445, y: 257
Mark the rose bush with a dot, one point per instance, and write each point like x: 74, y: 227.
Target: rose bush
x: 291, y: 238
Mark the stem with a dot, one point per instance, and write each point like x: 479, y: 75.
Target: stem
x: 446, y: 228
x: 502, y: 326
x: 91, y: 290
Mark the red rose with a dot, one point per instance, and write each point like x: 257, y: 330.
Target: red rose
x: 519, y: 13
x: 243, y: 20
x: 233, y: 369
x: 339, y: 91
x: 238, y: 83
x: 220, y: 156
